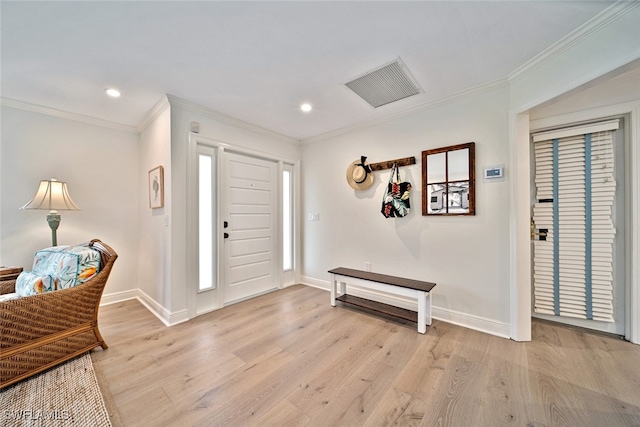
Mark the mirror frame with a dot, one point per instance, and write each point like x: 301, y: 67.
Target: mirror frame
x: 471, y: 146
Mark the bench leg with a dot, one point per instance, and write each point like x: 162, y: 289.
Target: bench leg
x: 422, y: 312
x: 333, y: 290
x: 428, y: 308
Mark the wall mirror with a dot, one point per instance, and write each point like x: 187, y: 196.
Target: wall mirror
x: 448, y: 180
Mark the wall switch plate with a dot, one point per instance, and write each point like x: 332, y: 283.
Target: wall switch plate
x: 314, y: 217
x: 367, y: 266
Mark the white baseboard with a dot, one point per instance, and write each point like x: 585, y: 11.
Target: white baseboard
x: 116, y: 297
x: 315, y: 283
x: 165, y: 316
x: 481, y: 324
x: 465, y: 320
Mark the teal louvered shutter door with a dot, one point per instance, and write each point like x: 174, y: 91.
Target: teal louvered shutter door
x: 575, y: 190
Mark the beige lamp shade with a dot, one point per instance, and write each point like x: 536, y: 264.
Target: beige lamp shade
x: 52, y: 195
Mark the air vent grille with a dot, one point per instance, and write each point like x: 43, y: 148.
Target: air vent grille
x: 386, y: 84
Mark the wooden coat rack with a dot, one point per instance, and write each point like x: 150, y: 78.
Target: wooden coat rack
x: 406, y: 161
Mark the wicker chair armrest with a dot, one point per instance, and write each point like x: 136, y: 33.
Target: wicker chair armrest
x: 7, y: 286
x: 29, y: 318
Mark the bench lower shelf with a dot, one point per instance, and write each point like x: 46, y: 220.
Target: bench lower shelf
x: 379, y: 307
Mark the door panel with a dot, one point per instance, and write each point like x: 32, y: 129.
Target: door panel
x: 251, y: 248
x: 251, y: 221
x: 250, y: 197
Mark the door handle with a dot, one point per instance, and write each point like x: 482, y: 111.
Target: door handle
x: 225, y: 224
x: 226, y: 235
x: 542, y: 233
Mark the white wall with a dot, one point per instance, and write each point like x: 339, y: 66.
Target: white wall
x: 154, y: 273
x: 584, y: 57
x: 622, y: 86
x: 466, y: 256
x: 99, y: 164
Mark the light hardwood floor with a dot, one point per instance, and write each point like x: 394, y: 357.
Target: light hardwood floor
x: 288, y: 358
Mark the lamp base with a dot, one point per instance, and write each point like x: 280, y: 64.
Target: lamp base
x: 54, y: 221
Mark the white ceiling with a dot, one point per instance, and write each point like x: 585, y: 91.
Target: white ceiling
x: 258, y: 61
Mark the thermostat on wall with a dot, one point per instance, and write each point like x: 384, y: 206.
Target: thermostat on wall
x: 494, y: 172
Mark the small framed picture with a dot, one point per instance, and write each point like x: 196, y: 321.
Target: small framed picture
x: 156, y: 187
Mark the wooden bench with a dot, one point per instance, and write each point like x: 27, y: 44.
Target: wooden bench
x: 382, y: 282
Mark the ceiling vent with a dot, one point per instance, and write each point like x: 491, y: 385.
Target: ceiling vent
x: 386, y: 84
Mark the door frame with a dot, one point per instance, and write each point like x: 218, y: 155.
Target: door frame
x: 191, y: 285
x: 520, y: 262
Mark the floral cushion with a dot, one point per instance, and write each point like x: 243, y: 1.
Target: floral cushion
x: 29, y: 283
x: 66, y: 266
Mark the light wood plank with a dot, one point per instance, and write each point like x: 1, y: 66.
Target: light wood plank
x: 397, y: 408
x: 283, y: 414
x: 289, y: 358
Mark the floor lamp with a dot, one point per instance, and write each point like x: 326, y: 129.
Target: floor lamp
x: 52, y: 195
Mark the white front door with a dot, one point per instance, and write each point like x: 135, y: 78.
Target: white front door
x: 578, y: 226
x: 250, y: 232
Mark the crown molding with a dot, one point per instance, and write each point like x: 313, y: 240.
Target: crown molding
x: 216, y: 115
x: 21, y: 105
x: 438, y: 102
x: 604, y: 18
x: 154, y: 113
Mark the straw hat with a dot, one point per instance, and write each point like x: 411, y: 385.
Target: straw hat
x: 359, y: 174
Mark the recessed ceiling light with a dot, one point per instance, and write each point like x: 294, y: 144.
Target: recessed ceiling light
x: 306, y: 107
x: 113, y: 93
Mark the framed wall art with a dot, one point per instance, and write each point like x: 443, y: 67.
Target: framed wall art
x: 156, y: 187
x: 449, y: 180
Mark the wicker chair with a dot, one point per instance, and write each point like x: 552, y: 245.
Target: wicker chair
x: 41, y: 331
